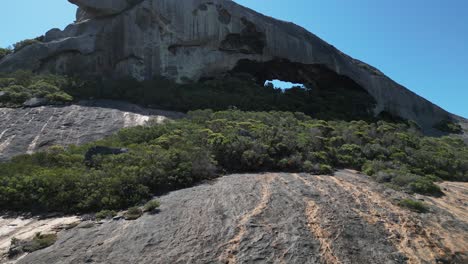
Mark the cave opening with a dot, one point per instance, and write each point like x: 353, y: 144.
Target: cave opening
x: 283, y: 85
x: 327, y: 94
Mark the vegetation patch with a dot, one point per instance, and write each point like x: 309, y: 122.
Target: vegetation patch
x: 105, y: 214
x: 17, y: 88
x: 151, y: 206
x: 27, y: 42
x: 4, y: 52
x: 414, y: 205
x: 133, y: 213
x: 182, y: 153
x: 39, y: 241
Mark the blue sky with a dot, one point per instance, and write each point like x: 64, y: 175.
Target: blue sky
x: 422, y: 44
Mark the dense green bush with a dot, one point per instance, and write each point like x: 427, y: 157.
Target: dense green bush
x: 151, y: 206
x: 425, y: 185
x: 22, y: 85
x: 105, y: 214
x: 182, y: 153
x: 133, y: 213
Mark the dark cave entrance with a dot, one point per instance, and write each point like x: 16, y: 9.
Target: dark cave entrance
x: 328, y: 94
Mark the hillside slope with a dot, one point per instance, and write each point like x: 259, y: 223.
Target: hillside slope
x: 28, y: 130
x: 277, y: 218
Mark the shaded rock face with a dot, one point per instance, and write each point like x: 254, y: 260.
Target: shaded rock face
x: 187, y: 40
x: 464, y: 124
x: 28, y: 130
x: 277, y: 218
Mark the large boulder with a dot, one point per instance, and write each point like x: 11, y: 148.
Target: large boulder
x: 187, y: 40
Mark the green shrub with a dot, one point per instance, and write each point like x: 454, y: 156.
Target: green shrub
x: 371, y: 167
x: 425, y: 186
x: 4, y: 52
x: 350, y: 155
x: 5, y: 82
x: 151, y: 206
x: 325, y: 169
x: 402, y: 179
x: 15, y: 94
x: 414, y: 205
x: 59, y: 97
x: 308, y: 166
x: 105, y: 214
x: 24, y: 43
x: 133, y: 213
x: 22, y: 85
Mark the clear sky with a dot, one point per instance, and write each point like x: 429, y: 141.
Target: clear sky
x: 422, y: 44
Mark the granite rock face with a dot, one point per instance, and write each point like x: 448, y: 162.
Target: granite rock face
x: 187, y: 40
x: 276, y: 218
x: 27, y: 130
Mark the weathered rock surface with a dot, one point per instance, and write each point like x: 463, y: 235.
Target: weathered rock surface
x: 27, y: 130
x: 192, y: 39
x: 277, y: 218
x: 24, y: 227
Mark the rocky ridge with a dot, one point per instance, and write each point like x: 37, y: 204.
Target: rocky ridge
x: 189, y: 40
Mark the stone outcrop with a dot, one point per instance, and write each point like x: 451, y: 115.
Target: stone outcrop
x: 102, y: 7
x: 187, y: 40
x: 276, y: 218
x: 28, y: 130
